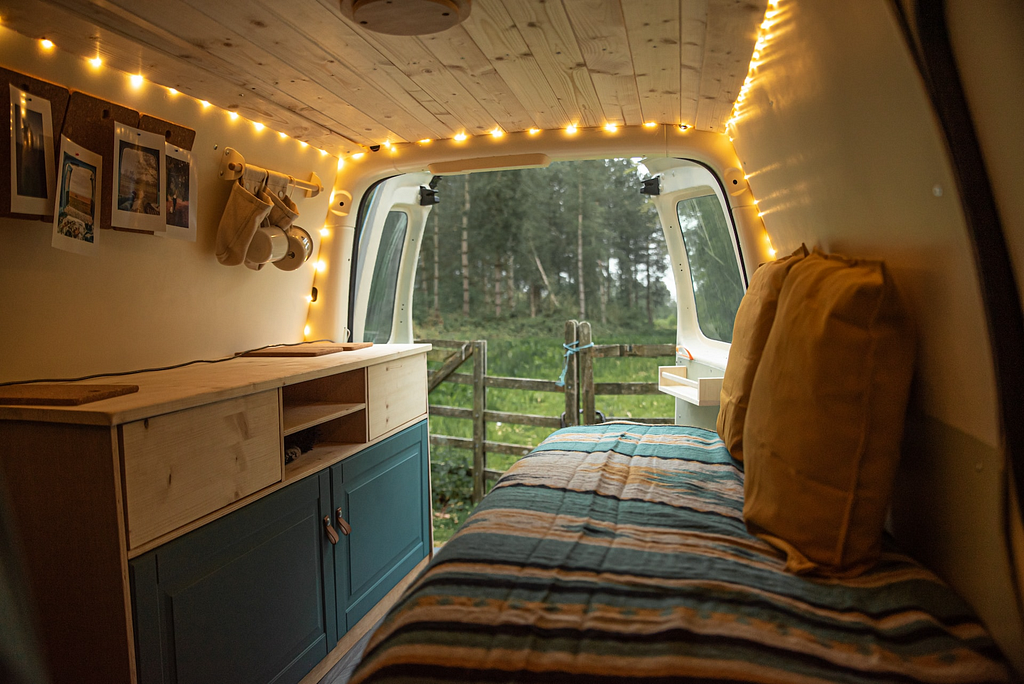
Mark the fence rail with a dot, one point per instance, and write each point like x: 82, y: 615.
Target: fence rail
x: 579, y: 389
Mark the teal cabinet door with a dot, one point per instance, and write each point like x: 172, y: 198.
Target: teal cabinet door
x: 248, y: 598
x: 383, y: 494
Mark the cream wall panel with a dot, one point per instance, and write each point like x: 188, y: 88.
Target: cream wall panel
x: 843, y: 152
x: 147, y: 301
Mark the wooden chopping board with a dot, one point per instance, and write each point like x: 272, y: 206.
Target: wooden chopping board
x: 61, y: 394
x: 309, y: 349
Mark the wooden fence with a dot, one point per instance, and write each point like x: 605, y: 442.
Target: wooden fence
x: 579, y: 389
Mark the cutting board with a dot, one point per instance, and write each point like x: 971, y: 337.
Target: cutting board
x: 61, y: 394
x: 310, y: 349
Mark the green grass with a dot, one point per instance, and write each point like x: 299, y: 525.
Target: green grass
x: 527, y: 350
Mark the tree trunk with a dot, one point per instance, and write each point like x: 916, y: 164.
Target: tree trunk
x: 437, y: 264
x: 647, y: 267
x: 465, y: 250
x: 533, y: 299
x: 511, y: 296
x: 497, y: 289
x: 579, y: 255
x: 602, y: 278
x: 544, y: 277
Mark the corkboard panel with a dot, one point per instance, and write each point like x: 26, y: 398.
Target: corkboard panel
x: 58, y: 97
x: 90, y: 123
x: 179, y: 136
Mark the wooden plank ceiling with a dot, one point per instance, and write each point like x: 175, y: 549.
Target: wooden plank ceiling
x: 302, y: 68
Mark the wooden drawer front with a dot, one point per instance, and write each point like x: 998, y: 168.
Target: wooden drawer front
x: 396, y: 393
x: 181, y: 466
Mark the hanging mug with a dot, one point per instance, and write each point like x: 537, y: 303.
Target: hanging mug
x: 300, y: 248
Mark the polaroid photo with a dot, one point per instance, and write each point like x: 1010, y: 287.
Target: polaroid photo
x: 138, y: 192
x: 76, y: 220
x: 32, y: 164
x: 180, y: 191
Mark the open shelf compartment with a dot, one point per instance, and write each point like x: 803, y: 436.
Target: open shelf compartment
x: 672, y: 380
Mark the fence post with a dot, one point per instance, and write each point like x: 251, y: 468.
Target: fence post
x: 479, y: 426
x: 586, y: 375
x: 572, y: 395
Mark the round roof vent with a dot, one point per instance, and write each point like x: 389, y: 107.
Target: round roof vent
x: 406, y: 17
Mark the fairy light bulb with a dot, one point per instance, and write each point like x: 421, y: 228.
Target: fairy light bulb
x: 257, y: 125
x: 533, y: 131
x: 610, y: 127
x: 204, y: 103
x: 136, y: 80
x: 497, y: 133
x: 303, y: 143
x: 571, y: 129
x: 321, y: 266
x: 650, y: 124
x: 306, y: 331
x: 325, y: 232
x: 96, y: 62
x: 233, y: 115
x: 46, y: 43
x: 425, y: 141
x: 459, y: 137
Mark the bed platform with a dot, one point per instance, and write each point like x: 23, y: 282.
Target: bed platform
x: 618, y: 553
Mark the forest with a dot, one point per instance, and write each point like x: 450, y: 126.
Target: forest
x: 573, y: 240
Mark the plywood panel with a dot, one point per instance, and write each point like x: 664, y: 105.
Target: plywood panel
x: 693, y: 24
x: 731, y: 33
x: 502, y: 96
x: 548, y: 34
x: 181, y: 466
x: 601, y: 34
x: 132, y: 51
x: 654, y: 41
x: 68, y: 521
x: 396, y: 393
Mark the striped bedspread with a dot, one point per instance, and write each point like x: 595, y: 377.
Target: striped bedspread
x: 617, y: 553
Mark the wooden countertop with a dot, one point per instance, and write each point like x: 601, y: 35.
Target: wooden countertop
x: 203, y: 383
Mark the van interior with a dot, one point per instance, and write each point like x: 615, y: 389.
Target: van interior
x: 156, y: 527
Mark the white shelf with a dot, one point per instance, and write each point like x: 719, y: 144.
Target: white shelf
x: 672, y: 380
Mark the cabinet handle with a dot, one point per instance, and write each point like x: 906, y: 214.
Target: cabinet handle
x: 331, y: 534
x: 346, y: 529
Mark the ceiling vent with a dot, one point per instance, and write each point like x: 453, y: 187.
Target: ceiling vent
x: 406, y: 17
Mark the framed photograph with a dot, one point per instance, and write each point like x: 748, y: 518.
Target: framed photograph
x: 77, y: 216
x: 180, y: 193
x: 32, y: 167
x: 138, y: 192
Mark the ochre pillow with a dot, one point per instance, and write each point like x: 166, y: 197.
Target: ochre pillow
x: 826, y: 413
x: 749, y: 334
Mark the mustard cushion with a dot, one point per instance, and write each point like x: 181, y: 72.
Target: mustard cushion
x: 825, y: 420
x: 749, y: 334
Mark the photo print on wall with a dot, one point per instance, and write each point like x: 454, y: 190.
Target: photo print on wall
x: 138, y: 192
x: 180, y: 193
x: 76, y: 219
x: 32, y: 164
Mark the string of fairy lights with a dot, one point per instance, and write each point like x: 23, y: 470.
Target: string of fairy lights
x: 764, y: 36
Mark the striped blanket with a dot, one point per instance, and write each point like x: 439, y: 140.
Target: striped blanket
x: 617, y: 553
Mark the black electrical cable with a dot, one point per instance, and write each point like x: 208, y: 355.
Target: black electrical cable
x: 160, y: 368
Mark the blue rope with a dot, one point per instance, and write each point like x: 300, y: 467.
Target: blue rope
x: 570, y: 349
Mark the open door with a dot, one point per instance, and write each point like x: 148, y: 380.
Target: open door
x: 388, y: 245
x: 707, y: 269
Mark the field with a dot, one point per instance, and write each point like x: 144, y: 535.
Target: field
x: 532, y: 349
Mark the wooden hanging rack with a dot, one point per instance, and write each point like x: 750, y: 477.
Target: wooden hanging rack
x: 232, y: 166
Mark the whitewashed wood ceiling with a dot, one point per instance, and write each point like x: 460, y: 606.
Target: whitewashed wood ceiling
x: 302, y: 68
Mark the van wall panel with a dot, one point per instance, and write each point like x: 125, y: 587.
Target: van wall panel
x: 844, y: 153
x: 145, y: 300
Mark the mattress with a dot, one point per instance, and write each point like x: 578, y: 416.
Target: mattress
x: 618, y: 553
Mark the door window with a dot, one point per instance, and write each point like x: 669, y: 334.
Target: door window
x: 714, y: 272
x: 381, y: 304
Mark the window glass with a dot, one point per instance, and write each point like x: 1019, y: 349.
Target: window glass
x: 714, y: 272
x: 381, y: 305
